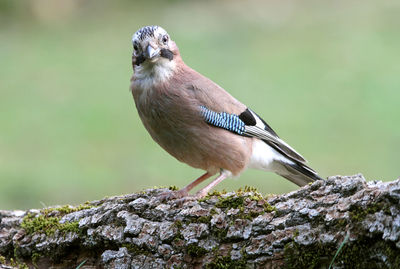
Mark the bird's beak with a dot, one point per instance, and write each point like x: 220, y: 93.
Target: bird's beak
x: 151, y: 52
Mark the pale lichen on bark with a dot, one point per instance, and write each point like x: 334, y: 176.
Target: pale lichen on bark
x: 301, y: 229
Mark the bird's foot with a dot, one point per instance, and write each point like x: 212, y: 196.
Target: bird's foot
x: 172, y: 195
x: 182, y: 196
x: 179, y: 202
x: 189, y: 198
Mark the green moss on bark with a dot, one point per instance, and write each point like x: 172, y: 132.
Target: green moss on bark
x: 48, y: 220
x: 365, y: 253
x: 196, y: 251
x: 226, y: 263
x: 47, y: 225
x: 358, y: 213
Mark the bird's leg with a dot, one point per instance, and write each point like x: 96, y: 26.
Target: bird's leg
x: 196, y: 182
x: 184, y: 192
x: 203, y: 192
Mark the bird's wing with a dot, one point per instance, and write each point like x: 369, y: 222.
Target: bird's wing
x: 222, y: 110
x: 250, y: 124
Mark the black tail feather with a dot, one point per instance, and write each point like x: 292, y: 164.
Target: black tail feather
x: 298, y: 173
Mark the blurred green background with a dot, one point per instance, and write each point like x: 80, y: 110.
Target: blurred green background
x: 324, y: 74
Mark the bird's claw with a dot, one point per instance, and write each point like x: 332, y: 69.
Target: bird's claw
x: 179, y: 202
x: 172, y: 195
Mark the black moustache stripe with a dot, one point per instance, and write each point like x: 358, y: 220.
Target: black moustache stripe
x: 140, y: 59
x: 166, y: 53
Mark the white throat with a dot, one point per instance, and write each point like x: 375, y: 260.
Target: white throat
x: 150, y: 74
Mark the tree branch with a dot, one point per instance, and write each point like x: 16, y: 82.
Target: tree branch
x: 301, y: 229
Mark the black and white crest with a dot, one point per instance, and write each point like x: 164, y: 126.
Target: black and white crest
x: 147, y: 31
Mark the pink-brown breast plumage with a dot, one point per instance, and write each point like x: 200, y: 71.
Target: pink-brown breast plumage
x: 170, y: 111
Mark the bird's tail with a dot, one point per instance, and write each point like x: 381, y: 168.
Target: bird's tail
x: 298, y: 173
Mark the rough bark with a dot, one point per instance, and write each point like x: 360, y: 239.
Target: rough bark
x: 242, y: 229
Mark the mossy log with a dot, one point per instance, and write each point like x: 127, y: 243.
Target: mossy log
x: 343, y: 216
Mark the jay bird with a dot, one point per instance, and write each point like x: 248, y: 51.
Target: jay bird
x: 201, y: 124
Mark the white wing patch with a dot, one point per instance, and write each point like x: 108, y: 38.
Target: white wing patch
x: 263, y: 156
x: 259, y: 131
x: 259, y: 122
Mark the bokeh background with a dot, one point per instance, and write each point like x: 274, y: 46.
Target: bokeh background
x: 324, y: 74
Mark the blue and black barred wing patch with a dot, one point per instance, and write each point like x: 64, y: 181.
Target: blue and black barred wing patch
x: 230, y: 122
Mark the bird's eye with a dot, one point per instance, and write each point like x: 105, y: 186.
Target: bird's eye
x: 135, y: 47
x: 165, y: 39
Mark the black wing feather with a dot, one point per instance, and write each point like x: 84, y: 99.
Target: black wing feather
x: 248, y: 118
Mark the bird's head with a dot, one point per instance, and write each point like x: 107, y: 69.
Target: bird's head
x: 151, y: 45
